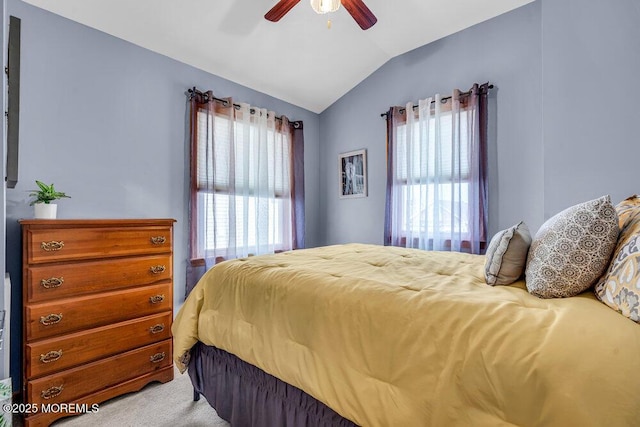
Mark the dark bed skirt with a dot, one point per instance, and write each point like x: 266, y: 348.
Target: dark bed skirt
x: 245, y: 395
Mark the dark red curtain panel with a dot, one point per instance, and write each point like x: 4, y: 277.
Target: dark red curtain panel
x: 297, y: 141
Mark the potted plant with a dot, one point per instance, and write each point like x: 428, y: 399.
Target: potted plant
x: 43, y: 207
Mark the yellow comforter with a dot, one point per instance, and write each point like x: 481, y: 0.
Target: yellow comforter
x: 399, y: 337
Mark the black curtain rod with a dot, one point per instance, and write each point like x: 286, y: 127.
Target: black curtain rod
x: 195, y: 92
x: 443, y: 99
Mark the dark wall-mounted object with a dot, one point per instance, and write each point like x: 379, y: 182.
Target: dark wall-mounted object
x: 13, y: 104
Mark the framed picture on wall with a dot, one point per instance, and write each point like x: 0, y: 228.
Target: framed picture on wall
x: 353, y: 174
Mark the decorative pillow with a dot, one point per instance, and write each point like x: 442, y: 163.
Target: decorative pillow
x: 627, y: 209
x: 507, y: 255
x: 619, y: 288
x: 572, y: 249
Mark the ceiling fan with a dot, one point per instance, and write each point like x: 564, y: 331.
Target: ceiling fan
x: 356, y: 8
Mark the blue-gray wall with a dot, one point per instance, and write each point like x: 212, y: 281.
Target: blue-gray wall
x: 591, y: 67
x: 505, y: 51
x: 105, y: 121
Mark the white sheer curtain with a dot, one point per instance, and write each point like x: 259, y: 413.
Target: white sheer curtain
x: 436, y: 188
x: 244, y: 181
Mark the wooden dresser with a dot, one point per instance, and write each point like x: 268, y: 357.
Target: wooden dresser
x: 97, y: 312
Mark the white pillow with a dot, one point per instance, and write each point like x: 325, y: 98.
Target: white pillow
x: 507, y: 255
x: 572, y: 249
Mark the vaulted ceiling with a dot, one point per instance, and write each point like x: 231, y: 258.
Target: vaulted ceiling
x: 297, y: 59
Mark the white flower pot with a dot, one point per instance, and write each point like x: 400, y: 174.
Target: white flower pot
x: 45, y: 210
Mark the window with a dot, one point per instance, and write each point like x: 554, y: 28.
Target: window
x: 434, y: 186
x: 436, y: 167
x: 243, y: 183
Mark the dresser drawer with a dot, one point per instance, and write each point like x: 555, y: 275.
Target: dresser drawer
x: 60, y: 244
x: 77, y: 382
x: 59, y: 317
x: 47, y: 282
x: 55, y: 354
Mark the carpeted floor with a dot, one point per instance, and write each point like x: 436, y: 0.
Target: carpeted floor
x: 161, y: 405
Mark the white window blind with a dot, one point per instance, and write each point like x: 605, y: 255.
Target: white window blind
x: 425, y: 157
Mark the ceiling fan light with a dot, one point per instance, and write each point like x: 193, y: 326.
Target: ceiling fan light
x: 325, y: 6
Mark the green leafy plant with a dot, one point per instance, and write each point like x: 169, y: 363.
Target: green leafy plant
x: 5, y: 389
x: 46, y: 194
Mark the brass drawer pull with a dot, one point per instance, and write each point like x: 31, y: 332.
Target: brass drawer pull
x: 52, y: 246
x: 52, y: 282
x: 156, y: 329
x: 157, y: 358
x: 157, y: 269
x: 51, y: 319
x: 52, y: 356
x: 156, y: 299
x: 51, y: 392
x: 158, y: 240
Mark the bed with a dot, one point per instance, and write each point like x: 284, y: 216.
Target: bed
x: 386, y: 336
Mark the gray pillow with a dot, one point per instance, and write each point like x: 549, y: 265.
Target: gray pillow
x: 507, y: 255
x: 572, y: 249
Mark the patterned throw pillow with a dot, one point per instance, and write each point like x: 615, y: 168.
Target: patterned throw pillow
x: 572, y: 249
x: 619, y: 288
x: 507, y: 255
x: 627, y: 209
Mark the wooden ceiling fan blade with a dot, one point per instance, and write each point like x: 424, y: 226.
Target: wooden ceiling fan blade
x: 280, y: 9
x: 360, y: 12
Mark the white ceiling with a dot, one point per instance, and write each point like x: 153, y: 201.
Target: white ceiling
x: 296, y: 59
